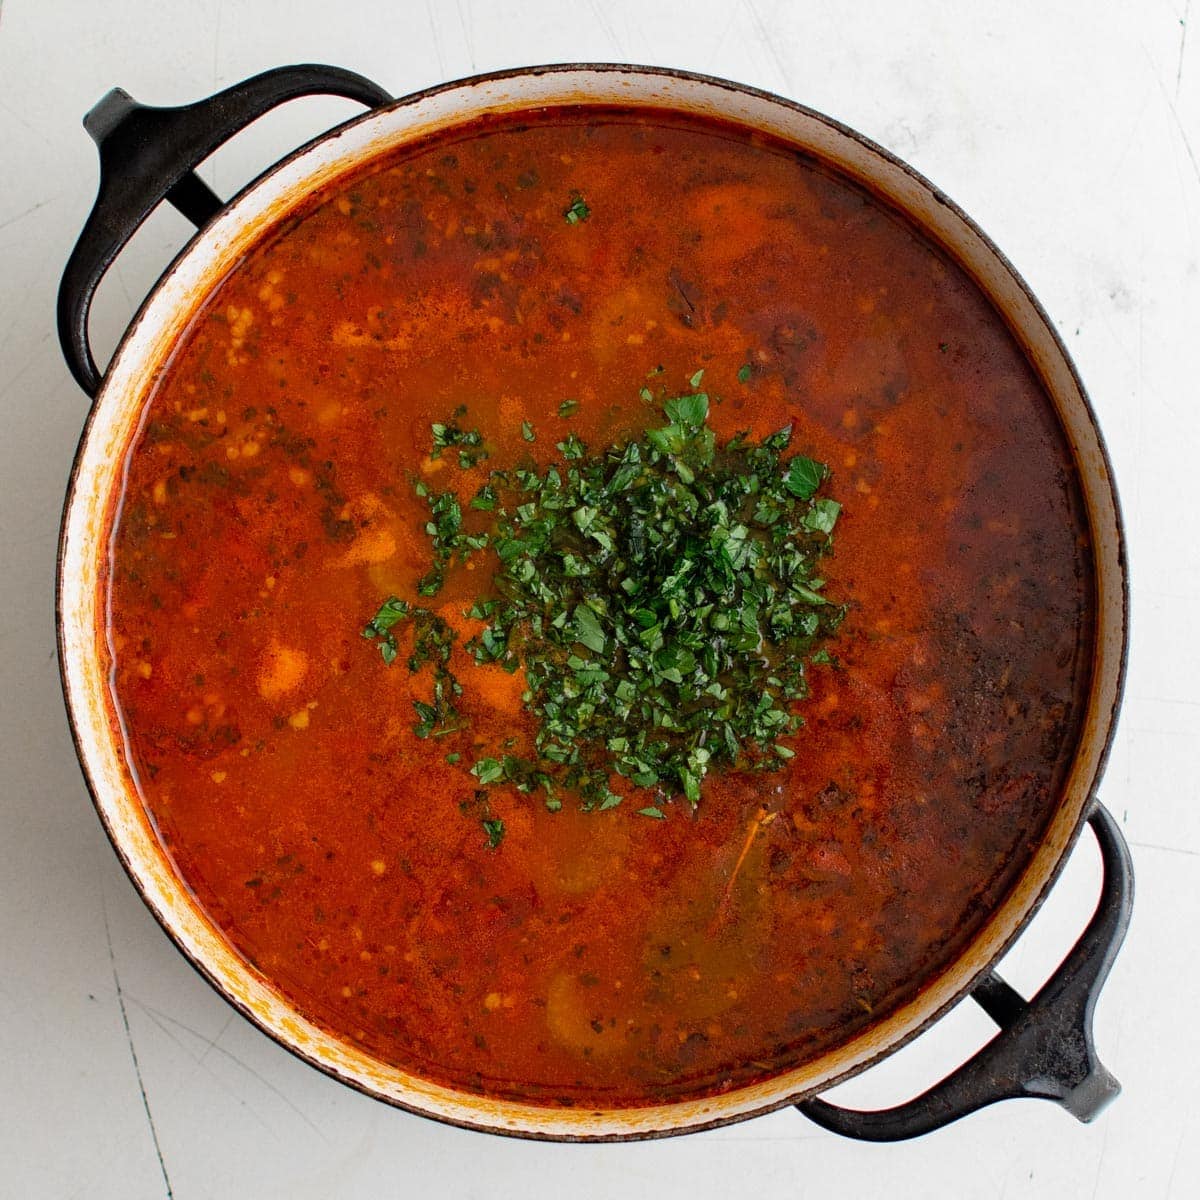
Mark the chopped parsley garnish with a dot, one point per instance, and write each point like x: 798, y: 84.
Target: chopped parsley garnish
x: 577, y: 211
x: 379, y: 627
x: 663, y: 598
x: 469, y: 441
x: 488, y: 770
x: 433, y: 642
x: 493, y: 828
x: 803, y: 477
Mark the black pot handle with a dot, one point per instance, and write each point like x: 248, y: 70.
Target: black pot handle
x: 148, y: 155
x: 1044, y: 1048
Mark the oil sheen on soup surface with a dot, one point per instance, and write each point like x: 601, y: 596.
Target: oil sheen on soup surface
x: 595, y: 958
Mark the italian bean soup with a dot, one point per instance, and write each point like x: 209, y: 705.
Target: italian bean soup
x: 599, y: 608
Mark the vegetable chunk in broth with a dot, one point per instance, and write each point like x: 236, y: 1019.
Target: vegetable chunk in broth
x: 471, y: 314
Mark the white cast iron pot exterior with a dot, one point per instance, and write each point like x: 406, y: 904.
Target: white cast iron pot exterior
x: 114, y: 423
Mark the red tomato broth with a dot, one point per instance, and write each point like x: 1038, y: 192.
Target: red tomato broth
x: 598, y: 959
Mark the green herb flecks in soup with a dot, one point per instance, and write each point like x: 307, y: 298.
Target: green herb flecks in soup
x: 661, y: 598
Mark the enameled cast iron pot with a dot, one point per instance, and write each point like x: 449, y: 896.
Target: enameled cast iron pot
x: 1044, y: 1047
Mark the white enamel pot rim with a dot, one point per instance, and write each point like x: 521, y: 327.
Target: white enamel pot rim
x: 114, y: 419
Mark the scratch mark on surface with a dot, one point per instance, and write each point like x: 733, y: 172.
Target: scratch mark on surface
x: 1004, y: 1185
x: 722, y: 41
x: 233, y: 1058
x: 137, y: 1070
x: 1175, y: 1162
x: 33, y: 362
x: 152, y: 1016
x: 213, y: 1041
x: 22, y: 215
x: 466, y: 32
x: 1100, y: 1161
x: 606, y: 27
x: 1132, y: 139
x: 20, y: 120
x: 437, y: 41
x: 217, y: 42
x: 1166, y: 849
x: 1183, y: 21
x: 1187, y: 145
x: 768, y: 43
x: 124, y: 285
x: 47, y: 267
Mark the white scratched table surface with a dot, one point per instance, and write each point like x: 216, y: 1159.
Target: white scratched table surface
x: 1070, y: 129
